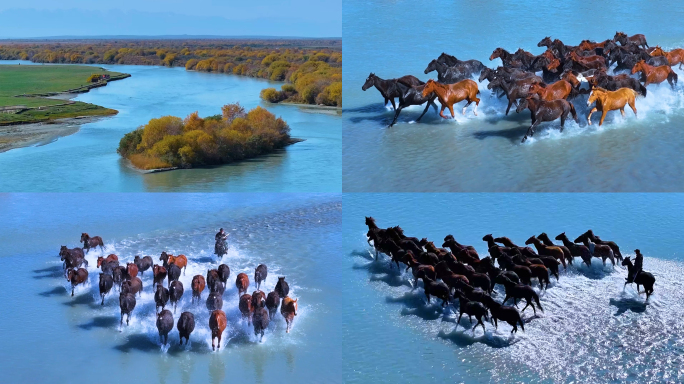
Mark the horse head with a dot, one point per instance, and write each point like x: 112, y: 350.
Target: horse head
x: 545, y: 42
x: 561, y: 236
x: 429, y: 87
x: 84, y: 237
x: 432, y: 66
x: 531, y: 240
x: 370, y: 81
x: 497, y: 53
x: 639, y: 66
x: 627, y: 262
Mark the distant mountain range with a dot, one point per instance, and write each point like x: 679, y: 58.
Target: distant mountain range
x: 77, y: 23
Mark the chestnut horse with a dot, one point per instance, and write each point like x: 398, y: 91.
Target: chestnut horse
x: 181, y: 261
x: 610, y: 101
x: 242, y: 283
x: 589, y: 62
x: 103, y: 260
x: 198, y: 284
x: 451, y: 94
x: 674, y: 57
x: 289, y: 310
x: 561, y: 89
x: 655, y: 75
x: 217, y: 324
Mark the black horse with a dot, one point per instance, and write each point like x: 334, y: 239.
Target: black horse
x: 642, y: 278
x: 452, y: 61
x: 413, y: 95
x: 447, y: 74
x: 388, y: 88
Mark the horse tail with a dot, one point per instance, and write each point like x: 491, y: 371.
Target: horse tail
x: 642, y: 90
x: 574, y: 113
x: 672, y: 76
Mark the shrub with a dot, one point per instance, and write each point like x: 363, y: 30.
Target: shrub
x: 169, y: 141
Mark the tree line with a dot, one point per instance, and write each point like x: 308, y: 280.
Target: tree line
x: 312, y: 69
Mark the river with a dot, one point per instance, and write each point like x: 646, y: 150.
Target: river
x: 87, y: 160
x: 296, y: 236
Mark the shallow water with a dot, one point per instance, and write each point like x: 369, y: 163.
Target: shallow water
x: 591, y: 329
x: 87, y: 160
x: 296, y: 236
x: 484, y: 153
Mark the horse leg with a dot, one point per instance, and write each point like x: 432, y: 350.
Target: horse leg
x: 393, y: 105
x: 424, y: 112
x: 510, y: 102
x: 622, y: 111
x: 563, y: 116
x: 528, y: 304
x: 477, y: 103
x: 451, y: 109
x: 441, y: 111
x: 589, y: 116
x: 466, y: 106
x: 396, y: 115
x: 603, y: 117
x: 631, y: 105
x: 459, y: 320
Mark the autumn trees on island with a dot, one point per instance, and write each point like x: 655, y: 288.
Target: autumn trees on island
x: 172, y: 142
x: 312, y: 69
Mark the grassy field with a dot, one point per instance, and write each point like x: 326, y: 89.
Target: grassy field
x: 44, y: 79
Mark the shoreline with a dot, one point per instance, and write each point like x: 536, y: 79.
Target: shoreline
x: 129, y: 164
x: 314, y: 108
x: 41, y: 133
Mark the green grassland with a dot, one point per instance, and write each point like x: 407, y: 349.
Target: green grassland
x: 43, y: 80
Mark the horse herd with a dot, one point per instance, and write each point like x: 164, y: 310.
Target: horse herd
x: 456, y: 271
x: 563, y: 70
x: 258, y: 308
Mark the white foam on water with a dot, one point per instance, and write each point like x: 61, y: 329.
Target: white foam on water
x: 200, y: 260
x: 591, y: 329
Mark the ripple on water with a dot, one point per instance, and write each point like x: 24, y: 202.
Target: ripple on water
x: 591, y: 329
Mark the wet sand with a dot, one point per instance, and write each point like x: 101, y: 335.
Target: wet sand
x: 25, y: 135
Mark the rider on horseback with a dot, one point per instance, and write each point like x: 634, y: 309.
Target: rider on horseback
x: 638, y: 266
x: 220, y: 247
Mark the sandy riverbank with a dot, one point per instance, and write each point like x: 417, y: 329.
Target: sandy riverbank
x: 25, y: 135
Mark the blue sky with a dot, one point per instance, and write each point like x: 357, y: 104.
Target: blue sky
x: 39, y: 18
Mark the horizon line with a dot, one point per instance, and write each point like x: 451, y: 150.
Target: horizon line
x: 182, y: 36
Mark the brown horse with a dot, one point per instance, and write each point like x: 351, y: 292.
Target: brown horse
x: 610, y: 101
x: 246, y: 307
x: 131, y: 271
x: 561, y: 89
x: 77, y: 277
x: 181, y: 261
x: 159, y: 273
x: 589, y: 62
x: 637, y: 39
x: 655, y: 75
x: 541, y: 110
x: 217, y: 324
x: 242, y: 283
x: 258, y: 299
x: 674, y: 57
x: 554, y: 251
x: 104, y: 260
x: 450, y: 94
x: 289, y: 310
x: 91, y: 242
x: 198, y: 284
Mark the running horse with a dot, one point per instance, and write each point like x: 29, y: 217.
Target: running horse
x: 542, y: 110
x: 561, y: 89
x: 642, y: 278
x: 451, y: 94
x: 674, y: 57
x: 655, y: 75
x: 388, y: 88
x: 610, y: 101
x: 91, y: 242
x: 637, y: 39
